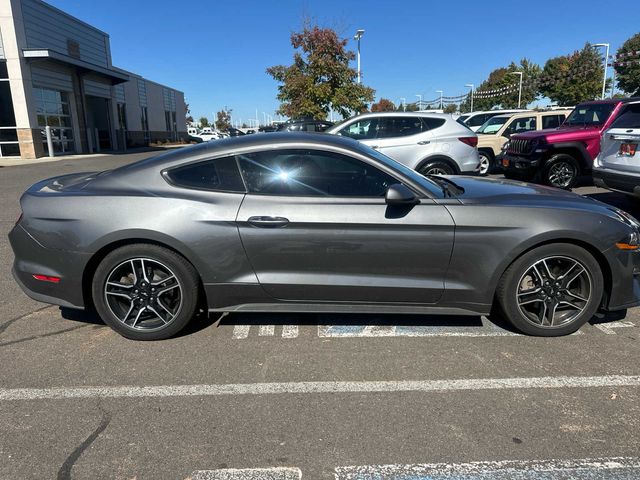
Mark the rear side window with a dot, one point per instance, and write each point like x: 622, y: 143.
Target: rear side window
x: 431, y: 123
x: 477, y: 120
x: 629, y: 118
x: 389, y: 127
x: 221, y: 174
x: 552, y: 121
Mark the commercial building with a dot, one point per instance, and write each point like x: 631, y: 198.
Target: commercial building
x: 56, y: 71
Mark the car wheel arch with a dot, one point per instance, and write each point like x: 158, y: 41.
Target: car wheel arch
x: 438, y: 158
x: 108, y: 247
x: 605, y: 267
x: 576, y: 150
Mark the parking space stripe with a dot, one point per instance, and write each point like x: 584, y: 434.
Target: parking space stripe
x: 267, y: 330
x: 241, y: 331
x: 319, y: 387
x: 289, y: 331
x: 612, y: 468
x: 275, y: 473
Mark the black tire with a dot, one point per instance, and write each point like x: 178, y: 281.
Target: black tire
x: 436, y: 167
x: 525, y: 313
x: 180, y: 294
x: 561, y: 171
x: 488, y: 160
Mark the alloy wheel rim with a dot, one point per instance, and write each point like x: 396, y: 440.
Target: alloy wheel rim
x: 484, y: 164
x: 561, y: 174
x: 143, y: 294
x: 554, y: 291
x: 436, y: 171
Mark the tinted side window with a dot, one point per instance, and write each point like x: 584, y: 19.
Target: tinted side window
x: 361, y: 130
x: 389, y: 127
x: 522, y: 125
x: 551, y: 121
x: 312, y: 173
x: 477, y: 120
x: 629, y: 118
x: 431, y: 123
x: 220, y: 174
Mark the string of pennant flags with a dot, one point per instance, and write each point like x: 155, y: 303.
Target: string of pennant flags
x: 620, y: 60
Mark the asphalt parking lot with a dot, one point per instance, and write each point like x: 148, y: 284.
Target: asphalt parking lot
x: 309, y: 396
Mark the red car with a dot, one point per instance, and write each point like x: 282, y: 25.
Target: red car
x: 558, y: 156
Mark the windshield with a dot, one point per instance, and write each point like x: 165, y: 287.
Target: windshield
x: 491, y: 126
x: 462, y: 118
x: 590, y: 114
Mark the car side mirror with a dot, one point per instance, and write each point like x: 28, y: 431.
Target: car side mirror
x: 400, y: 194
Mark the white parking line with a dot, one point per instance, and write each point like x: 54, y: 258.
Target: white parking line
x: 289, y: 331
x: 613, y: 468
x: 275, y: 473
x: 608, y: 328
x: 241, y: 331
x: 130, y: 391
x: 267, y: 330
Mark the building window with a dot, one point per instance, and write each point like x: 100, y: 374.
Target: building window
x: 9, y: 146
x: 122, y: 116
x: 52, y: 109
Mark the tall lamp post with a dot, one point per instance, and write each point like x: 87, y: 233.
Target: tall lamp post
x: 471, y: 87
x: 440, y: 92
x: 606, y: 61
x: 402, y: 102
x: 357, y: 37
x: 519, y: 88
x: 419, y: 95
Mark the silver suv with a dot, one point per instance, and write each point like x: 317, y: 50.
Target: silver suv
x: 430, y: 143
x: 617, y: 166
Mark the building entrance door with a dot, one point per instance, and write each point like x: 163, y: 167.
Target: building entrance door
x: 99, y: 122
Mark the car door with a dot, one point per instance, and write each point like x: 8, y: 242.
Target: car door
x: 406, y: 139
x: 620, y: 144
x: 315, y: 227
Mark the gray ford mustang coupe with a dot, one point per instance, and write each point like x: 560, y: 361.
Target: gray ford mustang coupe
x: 316, y: 223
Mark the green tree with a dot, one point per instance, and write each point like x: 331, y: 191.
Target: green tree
x: 451, y: 108
x: 507, y: 83
x: 574, y: 78
x: 411, y: 107
x: 383, y: 105
x: 628, y: 76
x: 204, y: 122
x: 223, y: 120
x: 187, y: 114
x: 320, y: 78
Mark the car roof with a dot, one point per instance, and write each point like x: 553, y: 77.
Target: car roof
x: 529, y: 112
x: 507, y: 110
x: 401, y: 114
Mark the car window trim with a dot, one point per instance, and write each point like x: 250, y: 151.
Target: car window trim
x: 417, y: 188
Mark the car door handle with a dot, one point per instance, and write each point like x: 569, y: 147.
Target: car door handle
x: 268, y: 222
x: 424, y: 142
x: 375, y: 147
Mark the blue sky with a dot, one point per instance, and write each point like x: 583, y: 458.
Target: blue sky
x: 217, y: 51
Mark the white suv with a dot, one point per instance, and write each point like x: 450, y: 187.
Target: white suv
x: 430, y: 143
x: 617, y: 166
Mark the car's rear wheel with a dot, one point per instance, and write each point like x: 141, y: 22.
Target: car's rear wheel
x: 436, y: 167
x: 561, y: 171
x: 486, y: 163
x: 551, y: 290
x: 145, y: 292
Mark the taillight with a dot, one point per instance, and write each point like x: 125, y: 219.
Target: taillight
x: 471, y: 141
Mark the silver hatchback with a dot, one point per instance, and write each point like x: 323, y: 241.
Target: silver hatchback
x: 617, y: 166
x: 430, y: 143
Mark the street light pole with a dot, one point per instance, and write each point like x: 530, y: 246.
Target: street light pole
x: 440, y: 92
x: 357, y: 37
x: 419, y: 95
x: 606, y: 61
x: 519, y: 88
x: 471, y: 86
x: 402, y: 102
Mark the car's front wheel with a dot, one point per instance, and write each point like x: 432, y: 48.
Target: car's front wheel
x: 145, y: 292
x: 561, y: 171
x: 486, y: 163
x: 551, y: 290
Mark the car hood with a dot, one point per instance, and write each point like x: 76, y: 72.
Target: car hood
x: 552, y: 135
x: 512, y: 193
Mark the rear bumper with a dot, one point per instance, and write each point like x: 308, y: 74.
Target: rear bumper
x: 616, y: 180
x: 33, y: 258
x: 625, y: 281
